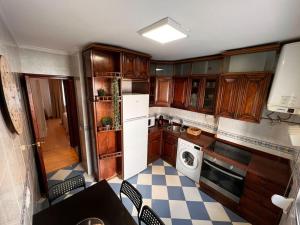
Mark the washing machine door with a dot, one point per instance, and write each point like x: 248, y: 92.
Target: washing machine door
x: 189, y: 159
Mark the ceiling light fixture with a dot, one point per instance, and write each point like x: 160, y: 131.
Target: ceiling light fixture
x: 164, y: 31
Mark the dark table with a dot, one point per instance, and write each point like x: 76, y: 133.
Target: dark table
x: 98, y: 200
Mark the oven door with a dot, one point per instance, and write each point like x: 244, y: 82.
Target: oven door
x: 222, y: 180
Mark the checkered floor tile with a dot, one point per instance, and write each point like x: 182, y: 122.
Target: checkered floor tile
x: 174, y: 197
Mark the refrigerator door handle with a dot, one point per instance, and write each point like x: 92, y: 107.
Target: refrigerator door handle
x: 136, y: 118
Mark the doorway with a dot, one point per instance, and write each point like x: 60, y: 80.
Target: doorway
x: 53, y: 110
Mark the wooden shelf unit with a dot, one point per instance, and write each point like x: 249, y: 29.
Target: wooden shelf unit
x: 101, y: 68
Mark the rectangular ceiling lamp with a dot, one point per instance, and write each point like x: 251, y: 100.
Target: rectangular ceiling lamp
x: 164, y: 31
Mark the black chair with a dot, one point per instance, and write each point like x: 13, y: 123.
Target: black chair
x: 64, y: 187
x: 133, y: 194
x: 149, y: 217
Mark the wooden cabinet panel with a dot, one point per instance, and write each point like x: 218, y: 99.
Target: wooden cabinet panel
x: 129, y: 65
x: 179, y: 92
x: 169, y: 148
x: 163, y: 91
x: 229, y: 89
x: 253, y: 94
x: 142, y: 67
x: 154, y: 146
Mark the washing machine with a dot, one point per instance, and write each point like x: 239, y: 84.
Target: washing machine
x: 189, y: 159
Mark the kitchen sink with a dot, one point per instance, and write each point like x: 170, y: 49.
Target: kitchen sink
x: 176, y: 128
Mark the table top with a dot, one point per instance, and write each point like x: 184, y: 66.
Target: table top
x: 98, y: 201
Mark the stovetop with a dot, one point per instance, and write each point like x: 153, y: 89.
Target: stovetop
x: 232, y: 152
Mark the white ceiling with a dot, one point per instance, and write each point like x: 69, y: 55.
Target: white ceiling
x: 215, y: 25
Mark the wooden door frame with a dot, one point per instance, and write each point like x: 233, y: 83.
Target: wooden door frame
x: 71, y: 107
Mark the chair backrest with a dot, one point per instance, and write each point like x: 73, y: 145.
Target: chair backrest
x: 67, y: 185
x: 149, y: 217
x: 132, y: 193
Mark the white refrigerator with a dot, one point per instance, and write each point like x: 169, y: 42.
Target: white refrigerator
x: 135, y: 133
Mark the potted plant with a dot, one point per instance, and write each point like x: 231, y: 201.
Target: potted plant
x: 106, y: 122
x: 101, y: 92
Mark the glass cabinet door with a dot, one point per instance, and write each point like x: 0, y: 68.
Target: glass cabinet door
x: 194, y: 91
x: 210, y: 86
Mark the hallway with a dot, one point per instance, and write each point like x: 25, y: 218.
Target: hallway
x: 57, y: 151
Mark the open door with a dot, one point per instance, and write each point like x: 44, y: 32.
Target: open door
x: 37, y: 123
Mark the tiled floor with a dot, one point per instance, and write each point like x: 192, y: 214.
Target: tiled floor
x: 174, y: 197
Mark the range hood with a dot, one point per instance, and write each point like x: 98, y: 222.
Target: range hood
x: 285, y: 92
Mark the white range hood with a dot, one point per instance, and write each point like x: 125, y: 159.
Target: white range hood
x: 285, y: 92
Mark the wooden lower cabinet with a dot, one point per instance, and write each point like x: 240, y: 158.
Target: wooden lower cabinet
x: 255, y: 204
x: 154, y: 146
x: 169, y: 148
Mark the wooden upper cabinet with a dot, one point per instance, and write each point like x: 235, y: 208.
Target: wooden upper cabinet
x: 194, y: 89
x: 209, y: 94
x: 252, y: 96
x: 229, y: 89
x: 129, y: 61
x: 179, y: 92
x: 242, y: 95
x: 141, y: 67
x: 135, y: 67
x: 163, y: 90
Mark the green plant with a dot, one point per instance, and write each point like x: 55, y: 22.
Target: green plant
x: 116, y: 108
x: 101, y: 92
x: 106, y: 121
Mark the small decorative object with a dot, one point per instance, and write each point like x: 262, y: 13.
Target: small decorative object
x: 160, y: 120
x: 194, y: 131
x: 116, y: 106
x: 106, y: 122
x: 101, y: 92
x: 91, y: 221
x: 9, y: 94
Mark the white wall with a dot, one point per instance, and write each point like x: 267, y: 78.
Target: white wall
x: 39, y: 62
x: 17, y: 167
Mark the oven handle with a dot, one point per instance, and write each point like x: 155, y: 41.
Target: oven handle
x: 223, y: 171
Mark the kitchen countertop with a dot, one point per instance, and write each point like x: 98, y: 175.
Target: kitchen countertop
x: 268, y: 168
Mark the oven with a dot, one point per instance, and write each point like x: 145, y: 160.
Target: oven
x: 223, y: 177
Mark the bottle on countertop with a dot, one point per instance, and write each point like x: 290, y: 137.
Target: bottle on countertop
x: 160, y: 121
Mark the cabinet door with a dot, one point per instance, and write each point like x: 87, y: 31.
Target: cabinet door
x: 152, y: 91
x: 179, y: 92
x: 208, y: 100
x: 163, y: 91
x: 142, y: 67
x: 164, y: 69
x: 228, y: 93
x: 194, y: 90
x: 129, y: 65
x: 169, y: 153
x: 154, y: 148
x: 253, y: 95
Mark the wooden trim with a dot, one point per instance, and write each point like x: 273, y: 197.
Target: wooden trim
x: 100, y: 46
x: 247, y: 73
x: 191, y: 60
x: 47, y: 76
x: 254, y: 49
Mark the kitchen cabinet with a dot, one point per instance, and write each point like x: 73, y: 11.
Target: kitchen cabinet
x: 154, y: 145
x: 179, y: 92
x: 202, y: 91
x: 164, y: 69
x: 229, y: 89
x: 169, y: 148
x: 209, y: 94
x: 135, y: 67
x: 182, y: 69
x: 242, y: 95
x: 163, y: 91
x: 252, y: 97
